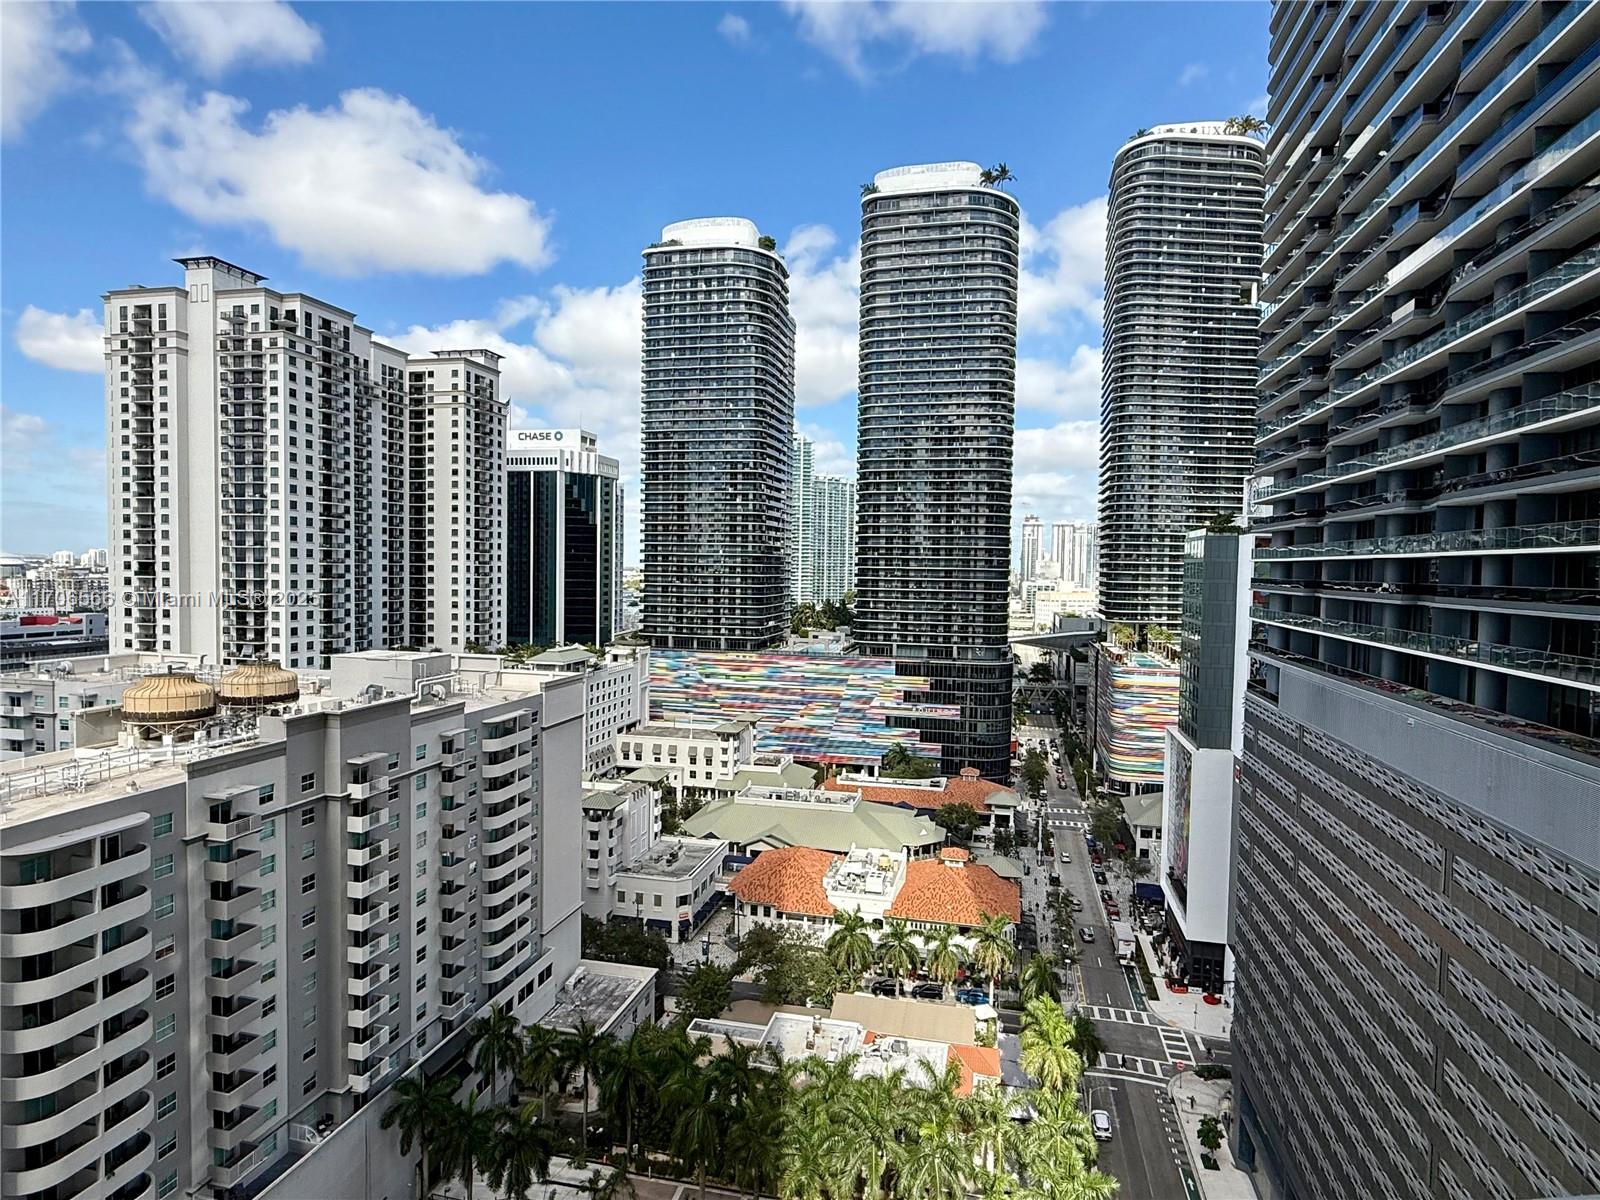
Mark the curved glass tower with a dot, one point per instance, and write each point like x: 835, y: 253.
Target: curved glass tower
x: 1177, y: 391
x: 718, y: 396
x: 938, y: 351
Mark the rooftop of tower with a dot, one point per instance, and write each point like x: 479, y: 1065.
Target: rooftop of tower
x: 927, y: 177
x: 713, y: 231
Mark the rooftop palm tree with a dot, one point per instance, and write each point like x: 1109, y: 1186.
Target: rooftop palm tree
x: 467, y: 1139
x: 1000, y: 173
x: 897, y: 949
x: 583, y: 1050
x: 1085, y: 1038
x: 992, y: 948
x: 850, y: 945
x: 519, y: 1155
x: 1040, y: 977
x: 421, y: 1108
x: 942, y: 959
x: 498, y: 1041
x: 539, y: 1069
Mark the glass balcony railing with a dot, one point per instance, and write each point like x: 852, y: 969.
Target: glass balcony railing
x: 1572, y: 667
x: 1557, y: 536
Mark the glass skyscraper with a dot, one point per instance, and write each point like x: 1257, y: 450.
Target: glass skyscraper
x: 718, y: 400
x: 938, y: 351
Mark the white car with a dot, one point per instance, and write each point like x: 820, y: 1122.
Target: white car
x: 1100, y: 1122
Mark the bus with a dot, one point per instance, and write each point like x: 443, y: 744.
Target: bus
x: 1122, y: 934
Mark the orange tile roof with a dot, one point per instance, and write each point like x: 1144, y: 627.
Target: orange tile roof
x: 955, y: 854
x: 967, y: 788
x: 975, y: 1060
x: 942, y: 894
x: 788, y: 878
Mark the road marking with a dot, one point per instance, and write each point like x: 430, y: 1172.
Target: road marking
x: 1176, y: 1043
x: 1133, y: 1064
x: 1125, y: 1077
x: 1125, y: 1016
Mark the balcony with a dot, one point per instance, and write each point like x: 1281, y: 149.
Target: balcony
x: 226, y: 1062
x: 231, y: 981
x: 365, y: 1081
x: 236, y: 1170
x: 228, y: 1025
x: 234, y: 870
x: 365, y: 985
x: 452, y: 789
x: 454, y: 870
x: 360, y: 824
x: 506, y: 740
x: 456, y: 1009
x: 508, y: 766
x: 453, y: 923
x: 234, y: 943
x: 380, y: 1037
x: 229, y: 908
x: 367, y: 789
x: 360, y: 953
x: 360, y: 922
x: 366, y: 856
x: 362, y: 1016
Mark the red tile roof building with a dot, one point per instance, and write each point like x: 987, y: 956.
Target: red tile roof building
x: 788, y: 879
x: 955, y: 893
x: 967, y: 788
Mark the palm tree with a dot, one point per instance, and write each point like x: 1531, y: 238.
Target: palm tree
x: 804, y: 1171
x: 467, y: 1139
x: 539, y: 1069
x: 1248, y: 125
x: 1084, y: 1037
x: 1040, y: 977
x: 941, y: 1161
x: 868, y: 1143
x: 897, y: 949
x: 868, y: 189
x: 987, y: 1114
x: 421, y: 1108
x: 753, y: 1142
x: 610, y: 1185
x: 1000, y: 173
x: 1057, y: 1147
x: 1046, y: 1049
x: 942, y: 960
x: 627, y: 1086
x: 498, y: 1039
x: 992, y: 949
x: 583, y: 1050
x: 519, y: 1155
x: 850, y: 945
x: 697, y: 1133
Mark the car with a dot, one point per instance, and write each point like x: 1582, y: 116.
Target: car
x: 1100, y: 1122
x: 928, y: 991
x: 1065, y: 857
x: 885, y: 987
x: 1055, y: 880
x: 1099, y: 876
x: 1086, y: 935
x: 970, y: 995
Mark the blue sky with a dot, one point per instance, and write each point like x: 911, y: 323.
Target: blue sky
x: 486, y: 174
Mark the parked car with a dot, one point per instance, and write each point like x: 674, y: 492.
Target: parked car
x: 1086, y: 935
x: 1100, y: 1122
x: 1055, y: 880
x: 885, y: 987
x: 971, y: 995
x: 928, y: 991
x: 1099, y: 876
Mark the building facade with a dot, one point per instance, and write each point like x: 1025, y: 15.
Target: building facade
x: 1133, y: 698
x: 39, y: 708
x: 563, y: 539
x: 216, y: 955
x: 1032, y: 549
x: 718, y: 416
x: 822, y: 529
x: 1177, y: 391
x: 1202, y: 753
x: 282, y: 485
x: 1073, y: 547
x: 1417, y: 860
x: 616, y: 695
x: 939, y: 264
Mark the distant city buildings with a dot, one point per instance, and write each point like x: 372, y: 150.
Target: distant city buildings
x: 1418, y: 851
x: 939, y: 266
x: 1074, y: 550
x: 283, y: 485
x: 1183, y: 257
x: 1028, y: 564
x: 718, y: 414
x: 822, y: 529
x: 563, y: 539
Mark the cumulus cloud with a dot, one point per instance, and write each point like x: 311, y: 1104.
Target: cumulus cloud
x: 1055, y: 470
x: 1063, y: 268
x: 66, y: 341
x: 214, y: 35
x: 734, y: 28
x: 1192, y: 74
x: 36, y: 41
x: 824, y: 296
x: 1003, y: 30
x: 370, y: 184
x: 1069, y: 389
x: 54, y: 492
x: 830, y: 455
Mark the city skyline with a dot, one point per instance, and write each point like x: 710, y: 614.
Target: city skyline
x: 553, y: 282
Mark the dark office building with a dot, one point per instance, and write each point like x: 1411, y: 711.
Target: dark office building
x: 564, y: 539
x: 1417, y: 864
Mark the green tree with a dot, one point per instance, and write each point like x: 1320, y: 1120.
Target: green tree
x: 1084, y: 1037
x: 627, y: 1086
x: 706, y: 992
x: 767, y: 243
x: 540, y: 1068
x: 942, y: 957
x: 849, y: 946
x: 421, y: 1109
x: 497, y: 1042
x: 959, y: 820
x: 519, y: 1155
x: 993, y: 949
x: 1210, y: 1134
x: 1046, y: 1046
x: 583, y: 1050
x: 697, y: 1132
x: 1040, y: 977
x: 466, y: 1140
x: 1005, y: 842
x: 1035, y: 771
x: 897, y: 949
x: 625, y: 942
x: 900, y: 763
x: 1040, y: 672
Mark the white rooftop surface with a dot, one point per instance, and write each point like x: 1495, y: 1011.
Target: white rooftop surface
x: 797, y: 1037
x: 713, y: 231
x: 929, y: 177
x: 865, y: 872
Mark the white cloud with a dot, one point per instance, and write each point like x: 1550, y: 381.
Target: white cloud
x: 65, y: 341
x: 1054, y: 471
x: 734, y: 28
x: 824, y: 296
x: 54, y: 492
x: 1069, y: 389
x: 372, y: 184
x: 214, y: 35
x: 829, y: 455
x: 1258, y: 107
x: 1192, y: 74
x: 967, y: 29
x: 35, y: 41
x: 1063, y: 267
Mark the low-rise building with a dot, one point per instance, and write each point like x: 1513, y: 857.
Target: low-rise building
x: 995, y: 803
x: 673, y: 887
x: 764, y: 818
x: 39, y: 707
x: 703, y: 751
x: 1144, y: 814
x: 29, y: 638
x: 616, y: 694
x: 621, y: 820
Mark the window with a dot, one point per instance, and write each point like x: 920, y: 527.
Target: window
x: 308, y: 951
x: 162, y: 825
x: 168, y: 1184
x: 165, y: 986
x: 166, y: 1106
x: 422, y: 751
x: 422, y: 896
x: 308, y: 783
x: 308, y: 919
x: 422, y: 810
x: 167, y: 1148
x: 309, y: 1086
x: 166, y: 1066
x: 164, y: 906
x: 421, y: 784
x: 270, y: 1004
x: 269, y: 829
x: 270, y: 1075
x: 165, y: 948
x: 422, y: 983
x: 308, y: 1053
x: 308, y: 850
x: 269, y: 899
x: 269, y: 934
x: 163, y: 867
x: 269, y: 863
x: 166, y: 1027
x: 310, y: 1017
x: 308, y: 884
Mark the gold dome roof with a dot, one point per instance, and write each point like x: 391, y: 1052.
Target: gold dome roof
x: 172, y: 696
x: 259, y: 682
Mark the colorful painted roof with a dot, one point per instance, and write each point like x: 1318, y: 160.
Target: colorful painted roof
x: 942, y: 894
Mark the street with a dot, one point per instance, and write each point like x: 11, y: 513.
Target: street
x: 1130, y: 1081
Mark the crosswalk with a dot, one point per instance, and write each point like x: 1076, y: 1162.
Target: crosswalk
x: 1176, y: 1043
x: 1133, y: 1064
x: 1125, y: 1016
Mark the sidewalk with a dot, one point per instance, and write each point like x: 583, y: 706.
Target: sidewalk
x: 1190, y: 1012
x: 1211, y: 1098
